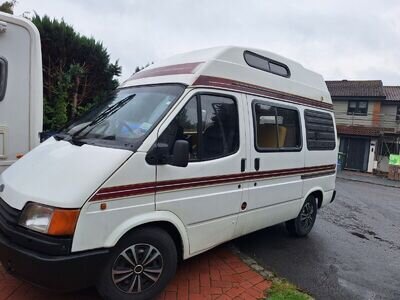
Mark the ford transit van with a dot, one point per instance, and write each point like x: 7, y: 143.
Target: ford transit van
x: 187, y: 154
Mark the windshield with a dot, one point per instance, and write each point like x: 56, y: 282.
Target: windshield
x: 126, y: 118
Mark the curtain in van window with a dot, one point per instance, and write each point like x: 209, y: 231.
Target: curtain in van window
x: 277, y: 128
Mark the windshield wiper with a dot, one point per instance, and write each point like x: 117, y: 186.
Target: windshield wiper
x: 109, y: 111
x: 60, y: 136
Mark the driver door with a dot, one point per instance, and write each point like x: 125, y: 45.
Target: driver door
x: 207, y: 194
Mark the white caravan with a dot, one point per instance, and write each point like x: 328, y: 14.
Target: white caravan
x: 21, y: 89
x: 189, y: 153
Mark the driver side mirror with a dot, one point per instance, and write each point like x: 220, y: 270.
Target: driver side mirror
x: 159, y: 154
x: 180, y: 154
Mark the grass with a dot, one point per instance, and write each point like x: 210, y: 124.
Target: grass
x: 283, y: 290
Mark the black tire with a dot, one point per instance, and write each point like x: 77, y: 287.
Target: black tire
x: 111, y: 287
x: 302, y: 225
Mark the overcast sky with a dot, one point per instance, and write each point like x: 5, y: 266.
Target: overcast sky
x: 339, y: 39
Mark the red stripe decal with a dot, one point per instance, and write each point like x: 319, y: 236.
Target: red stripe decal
x: 188, y: 68
x: 169, y: 185
x: 260, y: 90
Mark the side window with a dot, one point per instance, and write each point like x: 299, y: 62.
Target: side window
x: 3, y: 77
x: 357, y: 108
x: 184, y: 127
x: 266, y: 64
x: 220, y: 126
x: 276, y: 128
x: 216, y: 135
x: 320, y: 130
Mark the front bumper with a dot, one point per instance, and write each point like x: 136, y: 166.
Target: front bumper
x: 63, y: 273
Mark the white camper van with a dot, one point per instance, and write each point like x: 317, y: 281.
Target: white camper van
x: 189, y: 153
x: 21, y: 89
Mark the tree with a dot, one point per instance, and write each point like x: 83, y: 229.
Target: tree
x: 77, y: 72
x: 8, y: 6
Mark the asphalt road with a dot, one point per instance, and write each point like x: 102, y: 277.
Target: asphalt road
x: 353, y: 251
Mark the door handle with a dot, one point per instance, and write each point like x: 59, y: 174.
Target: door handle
x: 257, y: 164
x: 243, y: 165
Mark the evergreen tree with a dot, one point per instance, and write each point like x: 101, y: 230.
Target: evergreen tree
x: 77, y: 72
x: 8, y: 6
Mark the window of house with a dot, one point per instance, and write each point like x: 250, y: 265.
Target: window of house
x: 209, y: 123
x: 3, y: 77
x: 276, y: 128
x: 320, y: 130
x: 398, y: 113
x: 357, y: 108
x: 266, y: 64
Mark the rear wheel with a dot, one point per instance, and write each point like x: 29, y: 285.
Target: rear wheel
x: 140, y: 267
x: 302, y: 225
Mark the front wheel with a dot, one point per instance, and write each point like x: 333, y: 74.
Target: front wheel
x: 140, y: 266
x: 302, y: 225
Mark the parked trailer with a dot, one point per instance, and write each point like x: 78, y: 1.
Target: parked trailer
x: 21, y: 88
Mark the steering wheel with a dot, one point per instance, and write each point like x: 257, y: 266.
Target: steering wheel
x: 135, y: 132
x: 124, y: 124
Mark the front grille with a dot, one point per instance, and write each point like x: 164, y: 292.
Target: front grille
x: 29, y: 239
x: 8, y: 214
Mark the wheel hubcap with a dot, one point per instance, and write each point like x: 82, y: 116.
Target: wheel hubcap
x: 137, y: 268
x: 307, y: 216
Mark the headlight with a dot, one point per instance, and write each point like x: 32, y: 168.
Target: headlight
x: 49, y: 220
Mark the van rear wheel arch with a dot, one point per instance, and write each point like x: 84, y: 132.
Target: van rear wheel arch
x: 317, y: 194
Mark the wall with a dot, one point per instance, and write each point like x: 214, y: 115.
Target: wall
x: 388, y: 119
x: 383, y: 164
x: 342, y: 118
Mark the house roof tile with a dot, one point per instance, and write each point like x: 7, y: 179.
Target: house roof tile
x: 392, y: 93
x: 356, y: 88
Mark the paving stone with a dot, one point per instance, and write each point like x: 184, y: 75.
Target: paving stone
x: 221, y: 273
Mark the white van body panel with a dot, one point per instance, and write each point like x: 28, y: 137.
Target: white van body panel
x: 21, y: 111
x: 60, y: 174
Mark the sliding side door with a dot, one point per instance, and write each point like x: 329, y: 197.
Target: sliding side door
x: 276, y: 161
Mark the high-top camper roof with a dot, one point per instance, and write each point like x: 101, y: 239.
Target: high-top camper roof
x: 235, y: 68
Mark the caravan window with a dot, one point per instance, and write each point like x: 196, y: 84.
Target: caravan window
x: 276, y: 128
x: 3, y: 77
x: 320, y: 130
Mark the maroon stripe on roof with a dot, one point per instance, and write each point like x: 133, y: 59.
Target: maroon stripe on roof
x: 260, y: 90
x: 187, y: 68
x: 178, y: 184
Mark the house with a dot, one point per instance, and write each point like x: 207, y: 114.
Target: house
x: 391, y: 119
x: 368, y: 122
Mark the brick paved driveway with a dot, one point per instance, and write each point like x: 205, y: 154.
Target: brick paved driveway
x: 217, y: 274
